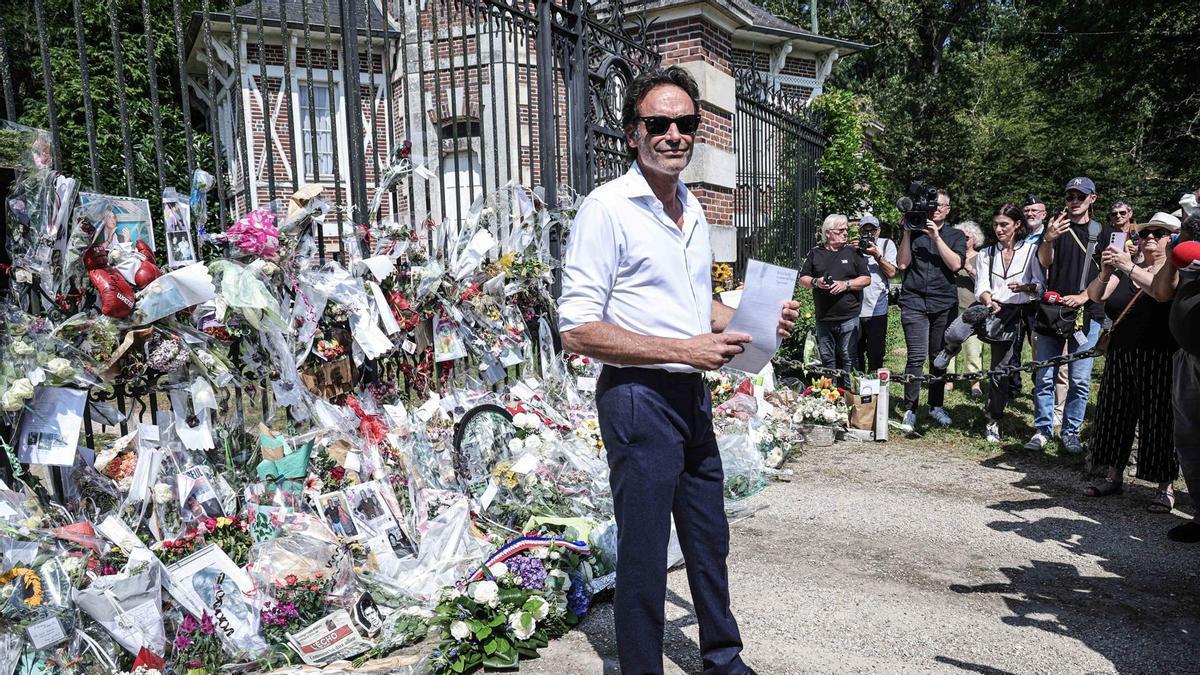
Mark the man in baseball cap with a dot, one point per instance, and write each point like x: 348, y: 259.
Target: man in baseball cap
x: 1067, y: 251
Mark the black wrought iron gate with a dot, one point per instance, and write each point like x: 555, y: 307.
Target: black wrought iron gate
x: 778, y: 146
x: 461, y: 96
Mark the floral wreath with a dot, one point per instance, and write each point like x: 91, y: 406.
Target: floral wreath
x: 30, y: 579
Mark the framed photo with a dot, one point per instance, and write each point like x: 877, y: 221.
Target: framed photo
x: 335, y: 509
x: 177, y: 224
x: 126, y: 220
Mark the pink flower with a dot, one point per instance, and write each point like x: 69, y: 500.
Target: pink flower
x: 182, y: 642
x: 255, y: 233
x: 206, y: 624
x: 189, y: 624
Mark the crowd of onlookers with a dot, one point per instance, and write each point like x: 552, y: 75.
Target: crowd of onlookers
x: 1065, y: 284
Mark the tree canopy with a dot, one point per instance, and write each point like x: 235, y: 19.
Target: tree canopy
x: 993, y: 99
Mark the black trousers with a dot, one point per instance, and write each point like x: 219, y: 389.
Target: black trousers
x: 1004, y: 354
x: 663, y: 460
x: 1135, y: 393
x: 872, y: 341
x: 924, y: 335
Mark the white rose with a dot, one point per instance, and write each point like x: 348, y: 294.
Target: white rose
x: 555, y: 555
x: 486, y: 593
x: 538, y: 607
x: 516, y: 445
x: 163, y: 493
x: 540, y: 552
x: 548, y: 438
x: 460, y: 631
x: 18, y: 392
x: 533, y: 443
x: 60, y: 368
x: 499, y: 569
x: 522, y: 624
x: 21, y: 347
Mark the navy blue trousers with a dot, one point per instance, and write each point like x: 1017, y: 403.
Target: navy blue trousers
x: 663, y: 460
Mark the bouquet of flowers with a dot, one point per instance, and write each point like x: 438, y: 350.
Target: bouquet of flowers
x: 821, y: 403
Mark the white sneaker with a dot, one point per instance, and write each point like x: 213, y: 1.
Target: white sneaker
x: 1038, y: 442
x: 993, y: 432
x: 909, y: 423
x: 939, y: 415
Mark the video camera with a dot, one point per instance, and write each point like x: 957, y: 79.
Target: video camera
x: 917, y: 205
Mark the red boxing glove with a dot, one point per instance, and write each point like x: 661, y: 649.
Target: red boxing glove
x: 116, y: 295
x: 95, y: 257
x: 147, y: 271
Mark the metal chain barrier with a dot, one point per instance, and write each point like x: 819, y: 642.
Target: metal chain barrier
x: 905, y: 378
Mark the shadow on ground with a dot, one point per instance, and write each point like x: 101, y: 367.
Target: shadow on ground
x: 1147, y: 606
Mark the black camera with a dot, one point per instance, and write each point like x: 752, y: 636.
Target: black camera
x: 864, y: 243
x: 828, y: 279
x: 917, y: 205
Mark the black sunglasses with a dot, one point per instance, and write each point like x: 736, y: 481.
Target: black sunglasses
x: 1119, y: 213
x: 1155, y: 234
x: 657, y: 124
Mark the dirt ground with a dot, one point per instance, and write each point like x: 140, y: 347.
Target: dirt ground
x: 892, y: 558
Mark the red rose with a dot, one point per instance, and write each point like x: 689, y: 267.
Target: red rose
x: 338, y: 472
x: 291, y: 579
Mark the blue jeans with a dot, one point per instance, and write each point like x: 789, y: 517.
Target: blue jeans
x: 1079, y: 375
x: 837, y: 343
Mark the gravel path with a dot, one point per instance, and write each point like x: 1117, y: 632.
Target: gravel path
x: 892, y: 559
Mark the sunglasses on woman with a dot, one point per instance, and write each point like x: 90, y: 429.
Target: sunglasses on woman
x: 658, y: 124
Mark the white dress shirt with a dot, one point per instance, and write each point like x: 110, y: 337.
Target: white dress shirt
x: 628, y: 264
x: 994, y: 278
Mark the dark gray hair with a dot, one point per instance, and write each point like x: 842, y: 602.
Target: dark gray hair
x: 641, y: 86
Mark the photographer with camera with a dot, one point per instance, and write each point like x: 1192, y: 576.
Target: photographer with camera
x: 1179, y: 281
x: 930, y: 255
x: 1064, y: 321
x: 837, y: 274
x: 880, y: 254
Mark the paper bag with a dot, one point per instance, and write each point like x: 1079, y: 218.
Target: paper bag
x: 862, y: 411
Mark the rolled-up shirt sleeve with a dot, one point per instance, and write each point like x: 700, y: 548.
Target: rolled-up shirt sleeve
x: 983, y: 275
x: 589, y: 267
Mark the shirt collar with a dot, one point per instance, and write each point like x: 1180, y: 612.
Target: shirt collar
x: 638, y: 187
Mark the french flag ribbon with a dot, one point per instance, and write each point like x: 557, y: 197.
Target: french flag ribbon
x: 520, y: 545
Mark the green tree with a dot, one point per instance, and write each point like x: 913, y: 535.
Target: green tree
x: 852, y: 179
x: 133, y: 27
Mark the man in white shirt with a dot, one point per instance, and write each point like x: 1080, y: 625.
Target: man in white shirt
x: 872, y: 316
x: 637, y: 295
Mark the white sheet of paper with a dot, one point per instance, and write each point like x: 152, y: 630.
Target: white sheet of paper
x: 768, y: 287
x: 50, y: 429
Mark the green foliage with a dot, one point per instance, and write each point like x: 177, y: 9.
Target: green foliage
x: 993, y: 99
x: 852, y: 179
x: 133, y: 25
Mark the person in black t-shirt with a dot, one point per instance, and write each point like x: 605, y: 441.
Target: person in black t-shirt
x: 1140, y: 352
x: 1067, y: 252
x: 928, y: 303
x: 837, y: 274
x: 1183, y: 287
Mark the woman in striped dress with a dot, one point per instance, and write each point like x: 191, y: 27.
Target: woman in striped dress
x: 1136, y: 390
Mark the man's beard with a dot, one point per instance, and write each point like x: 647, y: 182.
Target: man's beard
x: 1034, y: 224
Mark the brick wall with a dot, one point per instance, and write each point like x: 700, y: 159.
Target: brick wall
x: 800, y: 66
x: 717, y: 202
x: 691, y: 39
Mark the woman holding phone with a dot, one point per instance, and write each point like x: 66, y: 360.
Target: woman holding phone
x: 1007, y: 278
x: 1136, y: 390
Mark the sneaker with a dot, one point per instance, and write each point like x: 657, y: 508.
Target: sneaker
x: 1071, y: 444
x: 1037, y: 442
x: 993, y: 432
x: 939, y: 415
x: 909, y: 423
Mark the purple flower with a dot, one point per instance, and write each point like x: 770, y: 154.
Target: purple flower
x: 189, y: 624
x: 182, y: 642
x: 206, y: 624
x: 530, y: 570
x: 578, y: 601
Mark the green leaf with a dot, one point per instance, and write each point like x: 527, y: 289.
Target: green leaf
x: 500, y: 661
x: 482, y: 632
